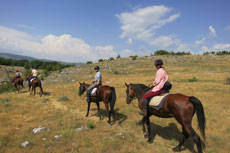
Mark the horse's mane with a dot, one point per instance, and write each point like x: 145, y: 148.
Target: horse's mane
x: 141, y: 88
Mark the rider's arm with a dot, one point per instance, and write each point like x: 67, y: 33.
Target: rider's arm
x: 98, y: 81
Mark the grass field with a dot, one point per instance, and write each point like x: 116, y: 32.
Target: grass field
x: 62, y: 112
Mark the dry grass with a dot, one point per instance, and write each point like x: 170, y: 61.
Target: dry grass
x: 20, y: 113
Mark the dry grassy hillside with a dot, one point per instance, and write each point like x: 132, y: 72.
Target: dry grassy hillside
x: 62, y: 112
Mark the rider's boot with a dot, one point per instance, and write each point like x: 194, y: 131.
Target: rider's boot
x: 144, y: 105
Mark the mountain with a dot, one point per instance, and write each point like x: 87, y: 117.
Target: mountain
x: 20, y: 57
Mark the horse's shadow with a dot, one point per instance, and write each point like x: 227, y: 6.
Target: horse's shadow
x: 171, y: 132
x: 118, y: 117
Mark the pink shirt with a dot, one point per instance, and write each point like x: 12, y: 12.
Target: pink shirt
x: 160, y: 79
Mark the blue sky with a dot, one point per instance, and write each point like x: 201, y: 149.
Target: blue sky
x: 88, y: 30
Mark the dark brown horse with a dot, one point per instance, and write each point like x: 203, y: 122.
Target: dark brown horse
x: 18, y: 83
x: 104, y: 93
x: 179, y: 106
x: 36, y: 82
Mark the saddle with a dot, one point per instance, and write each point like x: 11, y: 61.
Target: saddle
x: 157, y: 101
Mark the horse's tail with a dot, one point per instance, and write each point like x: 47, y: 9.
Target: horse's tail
x: 198, y: 107
x: 113, y: 98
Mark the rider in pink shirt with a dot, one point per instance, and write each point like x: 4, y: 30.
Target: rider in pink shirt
x: 160, y: 79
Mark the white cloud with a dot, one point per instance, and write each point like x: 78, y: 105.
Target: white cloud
x: 199, y: 42
x: 221, y: 47
x: 228, y: 28
x: 63, y: 47
x: 205, y: 49
x: 130, y: 41
x: 142, y: 23
x: 127, y: 52
x: 212, y: 31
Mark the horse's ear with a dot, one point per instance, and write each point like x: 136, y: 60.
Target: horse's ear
x: 126, y: 84
x: 80, y: 83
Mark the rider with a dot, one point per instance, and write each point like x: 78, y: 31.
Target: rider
x: 34, y: 73
x: 17, y: 74
x: 97, y: 82
x: 160, y: 79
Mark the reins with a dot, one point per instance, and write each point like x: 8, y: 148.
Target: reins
x: 133, y: 103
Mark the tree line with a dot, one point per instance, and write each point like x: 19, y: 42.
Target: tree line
x: 47, y: 66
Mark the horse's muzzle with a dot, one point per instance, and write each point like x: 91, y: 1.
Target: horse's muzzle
x: 128, y: 100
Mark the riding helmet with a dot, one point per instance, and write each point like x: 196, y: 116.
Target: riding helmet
x: 158, y: 62
x: 96, y: 68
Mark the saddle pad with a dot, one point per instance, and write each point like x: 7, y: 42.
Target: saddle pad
x: 155, y: 101
x: 32, y: 79
x: 93, y: 93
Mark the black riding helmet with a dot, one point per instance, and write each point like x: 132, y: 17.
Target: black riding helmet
x: 158, y: 62
x: 96, y: 68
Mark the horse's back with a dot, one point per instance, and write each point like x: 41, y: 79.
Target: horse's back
x: 178, y: 105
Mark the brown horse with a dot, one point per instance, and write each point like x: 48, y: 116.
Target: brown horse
x: 36, y: 82
x: 179, y: 106
x: 104, y: 93
x: 18, y: 83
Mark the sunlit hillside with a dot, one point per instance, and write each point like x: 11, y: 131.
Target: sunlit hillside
x: 66, y: 129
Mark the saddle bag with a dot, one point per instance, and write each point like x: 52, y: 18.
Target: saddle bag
x: 167, y: 86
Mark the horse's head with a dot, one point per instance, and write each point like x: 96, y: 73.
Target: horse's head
x: 82, y: 88
x: 12, y: 80
x: 130, y: 92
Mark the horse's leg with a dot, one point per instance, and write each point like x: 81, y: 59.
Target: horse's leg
x: 34, y: 90
x: 149, y: 129
x: 87, y: 114
x: 29, y: 85
x: 195, y: 136
x: 107, y: 108
x: 98, y: 110
x: 143, y: 128
x: 185, y: 137
x: 41, y: 90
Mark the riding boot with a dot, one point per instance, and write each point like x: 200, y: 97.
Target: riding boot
x: 88, y: 96
x: 144, y: 105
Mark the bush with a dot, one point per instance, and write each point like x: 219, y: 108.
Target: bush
x: 194, y: 79
x: 100, y: 60
x: 111, y: 58
x: 91, y: 125
x: 63, y: 98
x: 134, y: 57
x: 6, y: 87
x: 89, y: 62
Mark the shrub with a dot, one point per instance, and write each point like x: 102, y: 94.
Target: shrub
x: 6, y: 87
x: 100, y: 60
x: 89, y: 62
x: 90, y: 125
x: 134, y: 57
x: 194, y: 79
x: 63, y: 98
x: 111, y: 58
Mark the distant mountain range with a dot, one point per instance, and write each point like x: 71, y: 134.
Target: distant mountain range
x: 20, y: 57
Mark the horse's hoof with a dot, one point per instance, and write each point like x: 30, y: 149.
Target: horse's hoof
x: 150, y: 140
x: 109, y: 122
x: 176, y: 149
x: 146, y: 135
x: 86, y: 115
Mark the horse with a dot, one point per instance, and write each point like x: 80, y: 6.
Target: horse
x: 104, y: 93
x: 36, y: 82
x: 18, y: 83
x: 179, y: 106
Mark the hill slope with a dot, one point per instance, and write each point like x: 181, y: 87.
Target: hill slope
x: 68, y: 130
